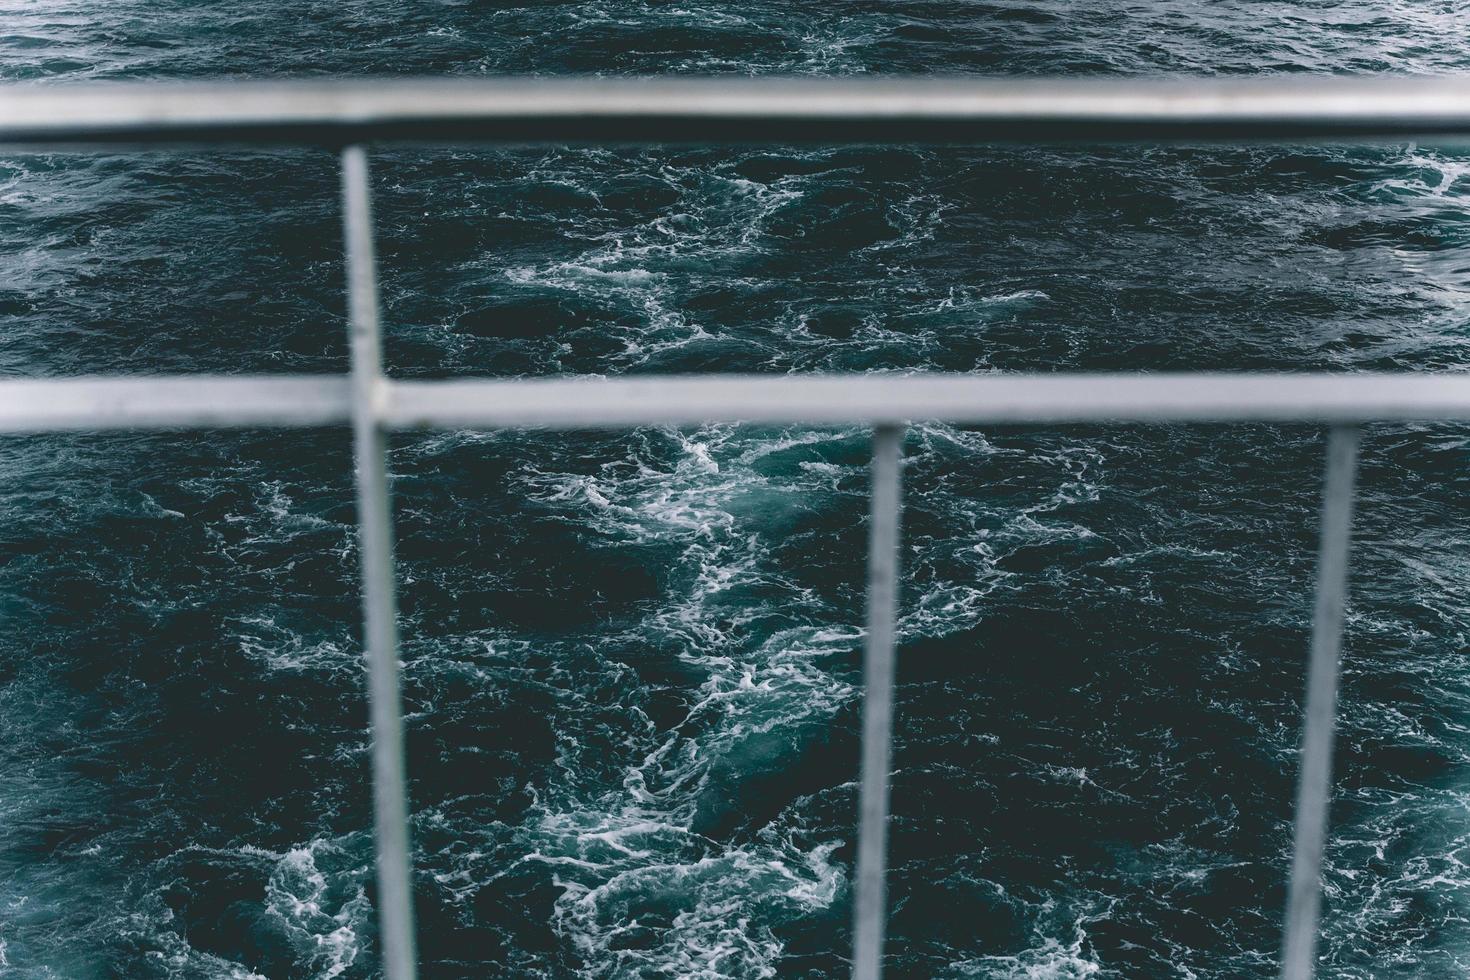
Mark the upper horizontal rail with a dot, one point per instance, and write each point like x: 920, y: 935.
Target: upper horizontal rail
x: 97, y: 403
x: 571, y: 110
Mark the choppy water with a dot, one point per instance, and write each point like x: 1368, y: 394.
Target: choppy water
x: 632, y: 659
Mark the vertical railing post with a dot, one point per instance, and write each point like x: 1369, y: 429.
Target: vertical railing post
x: 869, y: 903
x: 1304, y: 893
x: 379, y: 604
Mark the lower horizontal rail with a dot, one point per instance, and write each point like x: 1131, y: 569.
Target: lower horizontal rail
x: 201, y: 402
x: 176, y: 402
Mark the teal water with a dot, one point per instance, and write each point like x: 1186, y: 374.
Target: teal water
x: 631, y: 660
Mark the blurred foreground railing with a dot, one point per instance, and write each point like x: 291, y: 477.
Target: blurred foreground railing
x: 346, y: 114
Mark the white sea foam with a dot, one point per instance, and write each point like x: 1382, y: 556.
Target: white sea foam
x: 1049, y: 959
x: 642, y: 892
x: 324, y: 913
x: 625, y: 859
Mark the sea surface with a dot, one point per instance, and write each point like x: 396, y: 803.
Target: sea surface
x: 631, y: 659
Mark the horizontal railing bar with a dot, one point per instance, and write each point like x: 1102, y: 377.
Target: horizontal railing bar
x: 190, y: 401
x: 94, y: 403
x: 891, y: 399
x: 579, y: 110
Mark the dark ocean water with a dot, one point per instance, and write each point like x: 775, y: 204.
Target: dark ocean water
x: 631, y: 659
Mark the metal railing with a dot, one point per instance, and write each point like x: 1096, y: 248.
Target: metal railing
x: 348, y: 114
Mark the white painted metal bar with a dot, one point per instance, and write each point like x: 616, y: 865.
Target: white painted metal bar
x: 341, y: 111
x: 870, y: 910
x: 1314, y: 787
x: 102, y: 403
x: 989, y: 398
x: 191, y: 401
x: 379, y: 601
